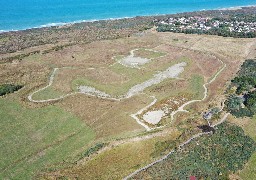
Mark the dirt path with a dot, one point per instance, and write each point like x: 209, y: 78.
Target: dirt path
x: 171, y: 72
x: 180, y: 146
x: 30, y: 97
x: 135, y: 116
x: 181, y: 108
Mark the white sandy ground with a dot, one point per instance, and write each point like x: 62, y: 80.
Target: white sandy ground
x: 136, y: 62
x: 153, y: 117
x: 92, y: 91
x: 132, y: 61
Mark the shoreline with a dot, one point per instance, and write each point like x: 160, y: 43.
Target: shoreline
x: 66, y: 24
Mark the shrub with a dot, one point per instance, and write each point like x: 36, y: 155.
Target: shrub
x: 9, y: 88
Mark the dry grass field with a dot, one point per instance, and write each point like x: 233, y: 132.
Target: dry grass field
x: 96, y: 64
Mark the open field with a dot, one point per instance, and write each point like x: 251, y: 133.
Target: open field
x: 35, y: 138
x: 39, y: 135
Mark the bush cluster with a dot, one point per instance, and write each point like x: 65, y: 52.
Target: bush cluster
x: 9, y: 88
x: 243, y: 102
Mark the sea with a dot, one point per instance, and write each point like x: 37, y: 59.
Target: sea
x: 26, y: 14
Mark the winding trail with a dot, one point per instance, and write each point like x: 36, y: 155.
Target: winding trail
x: 135, y: 116
x: 181, y: 108
x: 30, y: 97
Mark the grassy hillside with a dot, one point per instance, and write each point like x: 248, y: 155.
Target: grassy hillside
x: 32, y: 139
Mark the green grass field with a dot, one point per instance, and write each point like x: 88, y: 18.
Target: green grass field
x: 48, y: 93
x: 249, y: 172
x: 145, y: 53
x: 33, y: 139
x: 196, y: 86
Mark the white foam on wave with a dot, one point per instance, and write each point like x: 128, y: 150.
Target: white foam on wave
x: 63, y: 24
x: 52, y: 24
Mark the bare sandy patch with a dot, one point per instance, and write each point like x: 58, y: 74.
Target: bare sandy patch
x: 153, y: 117
x: 92, y: 91
x: 132, y: 61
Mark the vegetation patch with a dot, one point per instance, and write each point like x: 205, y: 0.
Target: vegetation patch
x: 93, y: 150
x: 116, y: 162
x: 48, y: 93
x: 9, y: 88
x: 213, y: 157
x: 242, y: 98
x: 196, y: 86
x: 148, y: 53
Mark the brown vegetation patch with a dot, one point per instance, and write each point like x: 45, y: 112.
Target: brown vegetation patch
x: 98, y: 53
x: 107, y: 118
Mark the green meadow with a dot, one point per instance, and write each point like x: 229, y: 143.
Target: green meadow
x: 34, y: 139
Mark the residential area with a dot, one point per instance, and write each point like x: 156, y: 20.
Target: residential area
x: 233, y: 26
